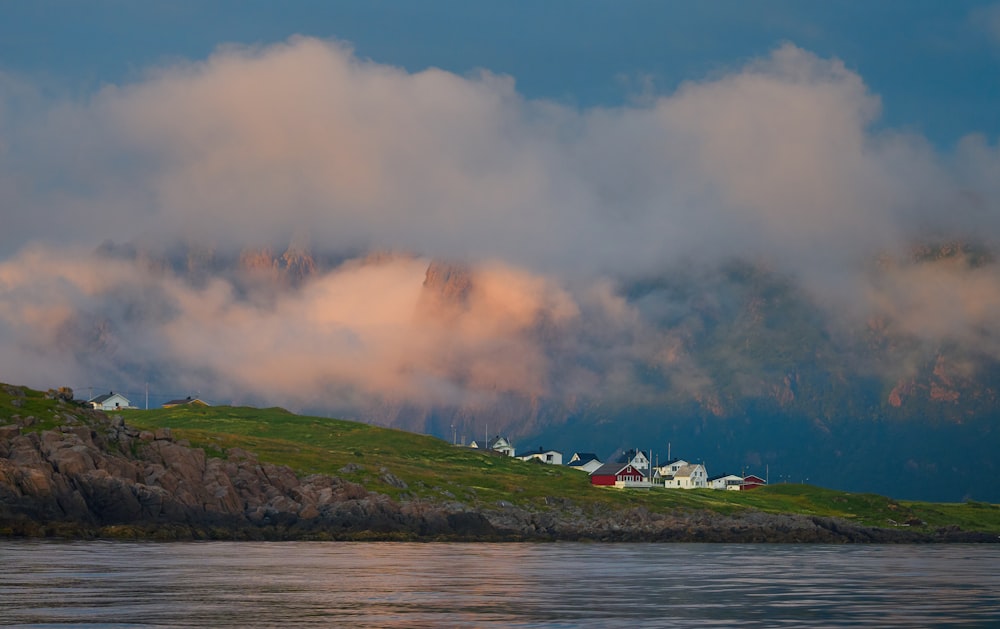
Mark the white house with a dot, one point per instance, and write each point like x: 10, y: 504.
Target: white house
x: 110, y: 401
x: 687, y: 477
x: 586, y: 461
x: 670, y: 467
x: 637, y: 459
x: 552, y: 457
x: 499, y: 444
x: 730, y: 482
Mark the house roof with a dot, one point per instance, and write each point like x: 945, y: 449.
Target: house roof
x: 755, y: 479
x: 630, y: 454
x: 538, y: 451
x: 100, y: 399
x: 721, y: 476
x: 498, y: 441
x: 182, y: 401
x: 686, y: 470
x: 609, y: 469
x: 583, y: 457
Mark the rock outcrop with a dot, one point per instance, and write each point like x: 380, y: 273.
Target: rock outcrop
x: 87, y: 478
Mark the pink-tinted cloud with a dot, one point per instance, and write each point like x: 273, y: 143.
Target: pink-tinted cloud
x: 550, y: 206
x: 267, y: 144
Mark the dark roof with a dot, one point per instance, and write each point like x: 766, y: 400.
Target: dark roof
x: 606, y: 469
x: 630, y: 454
x: 583, y: 457
x: 102, y: 398
x: 540, y: 450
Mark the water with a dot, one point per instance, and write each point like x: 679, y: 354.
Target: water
x: 244, y: 584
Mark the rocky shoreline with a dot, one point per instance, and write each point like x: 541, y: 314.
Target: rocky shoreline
x: 96, y: 477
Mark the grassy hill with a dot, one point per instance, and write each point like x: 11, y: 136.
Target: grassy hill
x: 435, y: 470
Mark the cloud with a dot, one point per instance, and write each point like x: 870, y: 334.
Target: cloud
x: 366, y: 328
x: 552, y: 208
x: 264, y: 144
x: 952, y: 299
x: 987, y: 19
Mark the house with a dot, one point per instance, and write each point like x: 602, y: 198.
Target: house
x: 552, y: 457
x: 670, y: 467
x: 730, y: 482
x: 498, y: 444
x: 752, y: 482
x: 188, y: 401
x: 110, y: 401
x: 691, y: 476
x: 585, y: 461
x: 619, y: 475
x: 636, y: 458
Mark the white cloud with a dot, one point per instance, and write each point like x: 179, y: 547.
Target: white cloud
x: 775, y: 161
x: 262, y: 144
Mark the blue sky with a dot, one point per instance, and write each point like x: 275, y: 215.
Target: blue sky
x: 936, y: 64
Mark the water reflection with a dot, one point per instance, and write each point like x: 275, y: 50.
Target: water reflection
x: 227, y: 584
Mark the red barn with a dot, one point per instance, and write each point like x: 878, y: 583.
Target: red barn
x: 616, y: 473
x: 752, y: 482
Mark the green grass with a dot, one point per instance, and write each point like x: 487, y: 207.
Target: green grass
x: 27, y: 403
x: 311, y: 445
x: 436, y: 470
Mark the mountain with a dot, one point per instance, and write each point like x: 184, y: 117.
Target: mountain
x: 887, y: 382
x: 798, y: 394
x: 745, y: 370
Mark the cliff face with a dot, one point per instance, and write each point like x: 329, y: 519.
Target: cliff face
x: 290, y: 268
x: 94, y: 473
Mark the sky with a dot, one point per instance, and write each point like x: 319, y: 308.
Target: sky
x: 554, y: 149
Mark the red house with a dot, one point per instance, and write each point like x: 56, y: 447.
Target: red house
x: 752, y: 482
x: 617, y: 474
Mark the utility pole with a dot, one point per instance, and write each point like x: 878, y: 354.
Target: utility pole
x: 147, y: 396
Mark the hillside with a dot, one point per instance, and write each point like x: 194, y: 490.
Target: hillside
x: 243, y: 472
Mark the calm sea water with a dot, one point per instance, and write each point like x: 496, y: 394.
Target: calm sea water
x: 242, y: 584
